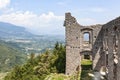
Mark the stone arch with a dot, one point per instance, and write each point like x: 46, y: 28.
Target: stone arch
x: 86, y: 54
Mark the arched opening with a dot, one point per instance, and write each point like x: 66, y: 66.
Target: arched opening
x: 86, y: 56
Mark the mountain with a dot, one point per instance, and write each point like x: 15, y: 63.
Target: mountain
x: 9, y: 57
x: 20, y: 38
x: 9, y: 30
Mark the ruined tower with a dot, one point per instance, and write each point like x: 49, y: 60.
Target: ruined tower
x: 100, y: 43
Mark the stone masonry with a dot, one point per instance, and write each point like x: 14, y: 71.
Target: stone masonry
x: 102, y: 46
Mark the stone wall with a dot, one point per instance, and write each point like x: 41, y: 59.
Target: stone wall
x: 112, y: 48
x: 75, y: 44
x: 103, y: 46
x: 72, y: 44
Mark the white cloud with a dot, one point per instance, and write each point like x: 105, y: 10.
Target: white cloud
x: 4, y: 3
x: 43, y: 23
x: 87, y: 21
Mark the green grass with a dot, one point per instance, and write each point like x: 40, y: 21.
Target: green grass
x: 56, y: 77
x: 85, y: 76
x: 86, y: 68
x: 86, y: 62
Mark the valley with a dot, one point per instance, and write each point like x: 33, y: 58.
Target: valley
x: 35, y: 44
x: 17, y: 44
x: 20, y: 38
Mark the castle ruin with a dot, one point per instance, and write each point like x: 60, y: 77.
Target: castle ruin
x: 102, y: 46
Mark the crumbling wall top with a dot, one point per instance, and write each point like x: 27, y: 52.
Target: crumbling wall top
x: 69, y: 19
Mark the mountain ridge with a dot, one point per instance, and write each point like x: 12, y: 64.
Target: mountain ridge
x: 11, y: 30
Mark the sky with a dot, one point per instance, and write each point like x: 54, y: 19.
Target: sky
x: 47, y: 16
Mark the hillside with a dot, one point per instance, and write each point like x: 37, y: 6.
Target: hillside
x: 9, y: 30
x: 9, y: 57
x: 20, y: 38
x: 40, y: 66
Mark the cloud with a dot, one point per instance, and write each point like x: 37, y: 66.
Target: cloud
x: 40, y: 24
x: 87, y: 21
x: 4, y: 3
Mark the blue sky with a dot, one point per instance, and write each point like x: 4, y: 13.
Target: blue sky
x: 47, y: 16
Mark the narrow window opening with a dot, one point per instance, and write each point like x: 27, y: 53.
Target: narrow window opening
x: 86, y: 36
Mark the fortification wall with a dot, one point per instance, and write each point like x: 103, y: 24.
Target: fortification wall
x: 103, y: 46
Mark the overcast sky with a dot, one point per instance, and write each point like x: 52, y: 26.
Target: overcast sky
x: 47, y: 16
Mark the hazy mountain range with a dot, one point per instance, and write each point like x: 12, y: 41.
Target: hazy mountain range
x: 22, y: 39
x: 16, y: 42
x: 10, y: 30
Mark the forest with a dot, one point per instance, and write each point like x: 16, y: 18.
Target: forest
x: 40, y: 66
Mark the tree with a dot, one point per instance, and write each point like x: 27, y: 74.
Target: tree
x: 61, y: 59
x: 37, y: 68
